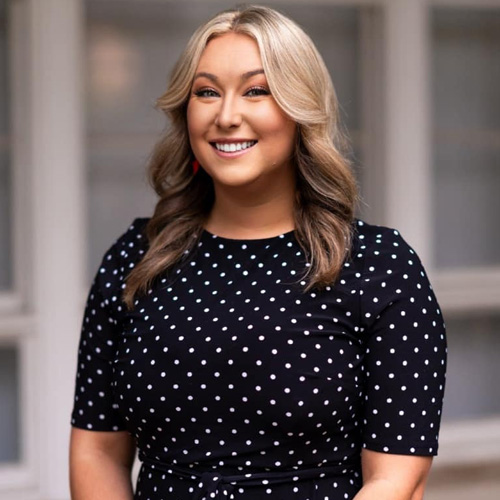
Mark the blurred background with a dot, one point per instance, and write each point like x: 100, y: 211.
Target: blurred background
x: 418, y: 82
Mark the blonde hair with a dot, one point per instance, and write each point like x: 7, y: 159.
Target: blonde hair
x: 326, y: 190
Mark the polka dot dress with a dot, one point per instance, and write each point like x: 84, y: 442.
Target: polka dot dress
x: 238, y: 384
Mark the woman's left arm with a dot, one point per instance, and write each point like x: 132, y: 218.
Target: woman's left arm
x: 393, y: 477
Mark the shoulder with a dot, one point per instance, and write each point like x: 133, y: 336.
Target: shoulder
x: 388, y: 266
x: 383, y: 245
x: 393, y: 277
x: 132, y: 244
x: 119, y: 260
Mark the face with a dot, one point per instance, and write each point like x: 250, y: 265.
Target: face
x: 237, y: 131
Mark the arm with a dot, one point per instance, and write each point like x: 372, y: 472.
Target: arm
x: 100, y: 465
x: 405, y: 363
x: 393, y: 477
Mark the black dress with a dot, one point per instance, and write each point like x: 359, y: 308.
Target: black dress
x: 238, y: 384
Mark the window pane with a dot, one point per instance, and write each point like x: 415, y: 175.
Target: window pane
x: 472, y: 381
x: 9, y: 404
x: 466, y: 79
x: 5, y: 187
x: 131, y: 48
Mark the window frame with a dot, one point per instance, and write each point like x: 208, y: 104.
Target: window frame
x: 17, y: 322
x: 460, y: 291
x: 42, y: 185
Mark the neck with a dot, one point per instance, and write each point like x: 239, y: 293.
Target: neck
x: 252, y: 215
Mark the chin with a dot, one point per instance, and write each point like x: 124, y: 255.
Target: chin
x: 235, y: 179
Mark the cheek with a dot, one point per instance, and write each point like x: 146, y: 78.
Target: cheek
x: 281, y: 135
x: 192, y: 122
x: 197, y: 126
x: 195, y: 129
x: 199, y: 118
x: 278, y: 127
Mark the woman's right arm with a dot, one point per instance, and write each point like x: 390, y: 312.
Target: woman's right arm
x: 101, y: 465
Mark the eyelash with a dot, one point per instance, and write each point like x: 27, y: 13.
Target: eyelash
x: 252, y: 92
x: 258, y: 91
x: 204, y: 92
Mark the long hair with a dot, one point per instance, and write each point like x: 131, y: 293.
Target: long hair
x: 326, y: 190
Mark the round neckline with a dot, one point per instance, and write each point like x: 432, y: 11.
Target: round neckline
x: 247, y: 241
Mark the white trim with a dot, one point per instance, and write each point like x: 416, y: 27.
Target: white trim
x: 16, y: 477
x: 23, y: 474
x: 10, y: 303
x: 470, y: 442
x: 30, y: 408
x: 24, y: 494
x: 408, y: 122
x: 12, y: 300
x: 19, y: 38
x: 15, y: 327
x: 468, y: 290
x: 483, y: 138
x: 58, y: 214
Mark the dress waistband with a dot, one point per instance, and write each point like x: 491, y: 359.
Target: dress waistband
x: 212, y: 484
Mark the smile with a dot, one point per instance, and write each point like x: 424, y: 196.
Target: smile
x: 233, y: 146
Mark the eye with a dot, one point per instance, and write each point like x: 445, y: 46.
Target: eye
x: 257, y: 91
x: 207, y: 92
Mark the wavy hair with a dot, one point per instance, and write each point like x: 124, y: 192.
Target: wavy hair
x: 326, y: 189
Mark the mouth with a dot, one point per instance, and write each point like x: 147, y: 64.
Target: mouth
x: 233, y: 147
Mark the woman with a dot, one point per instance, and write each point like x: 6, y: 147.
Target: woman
x: 252, y: 338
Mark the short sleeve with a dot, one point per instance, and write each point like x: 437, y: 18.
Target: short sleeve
x: 405, y: 349
x: 95, y: 407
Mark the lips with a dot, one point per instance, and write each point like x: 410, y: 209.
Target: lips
x: 233, y: 146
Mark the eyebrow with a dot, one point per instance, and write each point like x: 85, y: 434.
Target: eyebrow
x: 244, y: 76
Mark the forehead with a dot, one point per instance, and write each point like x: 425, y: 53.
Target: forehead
x: 231, y: 53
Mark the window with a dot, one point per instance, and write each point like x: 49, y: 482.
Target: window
x: 466, y: 177
x: 473, y: 390
x: 9, y: 388
x: 17, y: 369
x: 466, y: 78
x: 9, y: 404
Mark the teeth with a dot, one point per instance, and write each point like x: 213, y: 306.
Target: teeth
x: 234, y: 146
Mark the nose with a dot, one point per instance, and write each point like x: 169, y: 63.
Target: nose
x: 229, y: 115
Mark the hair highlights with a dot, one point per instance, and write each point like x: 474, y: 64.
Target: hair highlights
x: 301, y: 85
